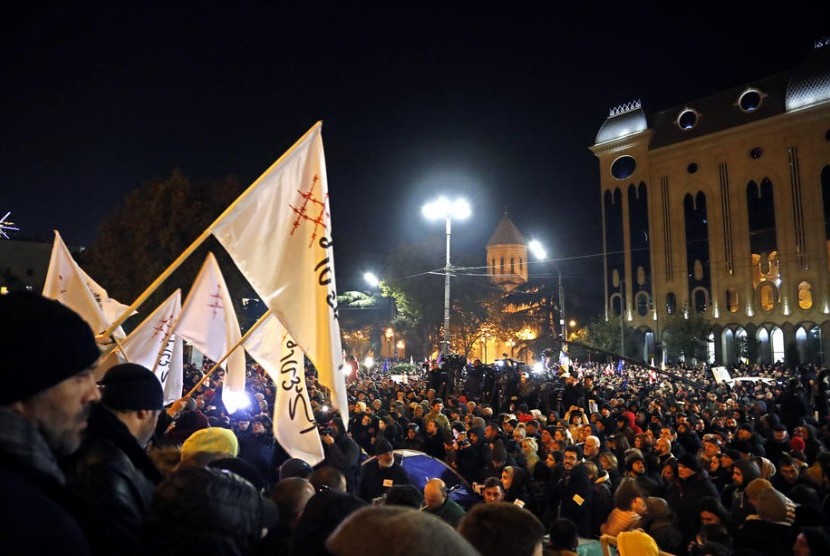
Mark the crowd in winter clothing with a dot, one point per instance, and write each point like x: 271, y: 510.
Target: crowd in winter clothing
x: 646, y: 462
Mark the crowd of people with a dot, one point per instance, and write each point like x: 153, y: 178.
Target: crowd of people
x: 600, y: 453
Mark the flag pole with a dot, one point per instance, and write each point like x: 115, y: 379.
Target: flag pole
x: 228, y: 354
x: 204, y: 235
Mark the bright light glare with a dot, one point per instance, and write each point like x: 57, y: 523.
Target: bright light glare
x: 537, y: 249
x: 538, y: 367
x: 371, y: 279
x: 235, y: 401
x: 441, y: 208
x: 369, y: 362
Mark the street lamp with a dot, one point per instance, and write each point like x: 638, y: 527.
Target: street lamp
x: 539, y: 252
x: 435, y: 210
x: 371, y: 279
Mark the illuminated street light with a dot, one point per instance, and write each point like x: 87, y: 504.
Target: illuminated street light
x: 541, y: 254
x: 371, y: 279
x: 435, y: 210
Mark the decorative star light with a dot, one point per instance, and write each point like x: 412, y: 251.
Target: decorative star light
x: 6, y: 226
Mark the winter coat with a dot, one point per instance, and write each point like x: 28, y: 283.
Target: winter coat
x: 374, y: 481
x: 115, y: 479
x: 203, y: 511
x: 37, y: 510
x: 685, y: 497
x: 571, y: 497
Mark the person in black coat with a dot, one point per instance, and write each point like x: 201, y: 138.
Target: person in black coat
x: 111, y: 472
x: 44, y: 404
x: 572, y: 495
x: 685, y: 495
x: 341, y: 452
x: 379, y: 474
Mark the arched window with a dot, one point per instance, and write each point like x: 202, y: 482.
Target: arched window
x: 701, y: 300
x: 642, y: 303
x: 767, y: 296
x: 502, y: 265
x: 512, y: 265
x: 732, y: 300
x: 805, y: 295
x: 521, y: 264
x: 493, y: 267
x: 671, y: 303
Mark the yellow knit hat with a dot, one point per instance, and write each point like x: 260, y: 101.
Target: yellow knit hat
x: 213, y: 439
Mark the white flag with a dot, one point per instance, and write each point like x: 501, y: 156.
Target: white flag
x: 209, y: 322
x: 67, y: 283
x: 279, y: 235
x: 146, y: 346
x: 281, y: 357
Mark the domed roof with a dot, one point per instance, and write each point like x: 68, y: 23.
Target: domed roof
x: 623, y: 120
x: 810, y: 84
x: 506, y: 234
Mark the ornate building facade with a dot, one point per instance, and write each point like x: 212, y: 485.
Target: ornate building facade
x: 721, y: 206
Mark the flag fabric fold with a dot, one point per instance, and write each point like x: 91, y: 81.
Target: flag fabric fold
x: 278, y: 234
x: 67, y: 283
x: 208, y: 321
x: 280, y: 356
x: 153, y: 345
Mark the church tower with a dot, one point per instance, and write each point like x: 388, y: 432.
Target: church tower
x: 507, y: 255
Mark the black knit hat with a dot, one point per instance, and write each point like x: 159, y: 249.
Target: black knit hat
x: 689, y: 461
x: 43, y: 343
x: 130, y: 387
x: 383, y: 446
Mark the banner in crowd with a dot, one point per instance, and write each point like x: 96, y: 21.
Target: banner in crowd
x: 208, y: 321
x: 279, y: 235
x: 281, y: 357
x: 153, y: 345
x: 67, y: 283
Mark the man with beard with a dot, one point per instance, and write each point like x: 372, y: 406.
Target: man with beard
x: 111, y: 472
x: 377, y: 475
x: 572, y: 495
x: 635, y: 468
x: 434, y: 441
x: 49, y: 354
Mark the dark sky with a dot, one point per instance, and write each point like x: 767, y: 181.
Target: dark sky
x: 499, y: 104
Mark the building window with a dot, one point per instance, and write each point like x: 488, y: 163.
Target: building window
x: 521, y: 264
x: 805, y: 295
x: 623, y: 167
x: 493, y: 266
x: 767, y: 296
x: 756, y: 153
x: 732, y: 300
x: 751, y: 100
x: 687, y: 119
x: 512, y: 265
x: 642, y: 303
x: 692, y: 168
x: 700, y: 299
x: 671, y: 303
x: 502, y: 265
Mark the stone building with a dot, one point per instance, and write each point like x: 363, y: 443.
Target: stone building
x: 721, y: 206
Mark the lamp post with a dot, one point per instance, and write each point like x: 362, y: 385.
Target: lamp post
x: 435, y: 210
x: 539, y: 252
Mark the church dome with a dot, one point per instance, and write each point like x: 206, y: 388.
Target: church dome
x: 623, y: 120
x: 810, y: 84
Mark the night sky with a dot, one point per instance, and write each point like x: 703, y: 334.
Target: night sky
x: 497, y: 104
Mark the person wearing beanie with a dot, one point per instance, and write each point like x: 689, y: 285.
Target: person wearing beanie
x: 48, y: 388
x: 769, y: 529
x: 473, y: 456
x: 686, y: 493
x: 111, y: 472
x: 635, y: 468
x: 214, y: 441
x: 295, y: 467
x: 377, y: 475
